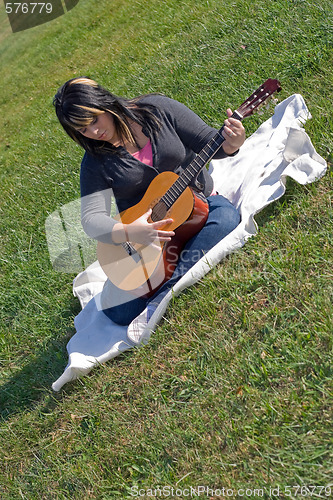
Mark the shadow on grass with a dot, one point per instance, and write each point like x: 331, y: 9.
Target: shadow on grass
x: 32, y: 385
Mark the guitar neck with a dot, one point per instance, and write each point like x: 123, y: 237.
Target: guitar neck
x: 194, y: 168
x: 258, y: 98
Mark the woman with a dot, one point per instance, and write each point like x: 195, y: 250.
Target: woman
x: 127, y: 143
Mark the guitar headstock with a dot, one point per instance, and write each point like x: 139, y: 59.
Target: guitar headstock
x: 259, y: 97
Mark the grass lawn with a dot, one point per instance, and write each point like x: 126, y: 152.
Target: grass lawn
x: 234, y: 389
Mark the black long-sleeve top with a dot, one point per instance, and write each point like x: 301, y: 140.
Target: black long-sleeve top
x: 182, y: 134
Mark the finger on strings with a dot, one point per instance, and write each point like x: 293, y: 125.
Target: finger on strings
x: 228, y: 132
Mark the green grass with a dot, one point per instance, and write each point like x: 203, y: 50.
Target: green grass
x: 233, y: 391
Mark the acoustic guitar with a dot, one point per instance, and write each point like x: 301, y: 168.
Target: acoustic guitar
x: 142, y: 269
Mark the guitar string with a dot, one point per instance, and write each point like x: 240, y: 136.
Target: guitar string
x: 195, y: 166
x: 192, y: 170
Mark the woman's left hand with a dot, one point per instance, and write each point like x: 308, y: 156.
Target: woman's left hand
x: 234, y: 134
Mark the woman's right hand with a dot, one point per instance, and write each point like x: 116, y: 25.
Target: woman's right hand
x: 141, y: 231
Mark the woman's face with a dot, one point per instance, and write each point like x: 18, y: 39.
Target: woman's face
x: 102, y: 128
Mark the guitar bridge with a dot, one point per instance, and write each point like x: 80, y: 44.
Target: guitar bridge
x: 130, y: 249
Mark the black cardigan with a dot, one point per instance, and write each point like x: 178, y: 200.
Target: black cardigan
x: 181, y: 136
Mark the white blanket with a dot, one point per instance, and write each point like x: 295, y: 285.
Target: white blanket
x: 250, y: 180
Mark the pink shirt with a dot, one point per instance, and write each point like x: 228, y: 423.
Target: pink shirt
x: 145, y: 155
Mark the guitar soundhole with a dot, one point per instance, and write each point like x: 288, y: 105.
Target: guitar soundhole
x: 159, y: 211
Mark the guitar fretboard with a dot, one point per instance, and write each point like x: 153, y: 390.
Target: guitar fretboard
x: 159, y: 211
x: 195, y: 167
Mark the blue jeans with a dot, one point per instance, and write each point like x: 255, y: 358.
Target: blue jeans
x: 222, y: 219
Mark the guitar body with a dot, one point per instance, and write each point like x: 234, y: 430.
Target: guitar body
x: 145, y: 270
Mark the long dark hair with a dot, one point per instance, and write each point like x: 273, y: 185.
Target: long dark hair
x: 80, y: 100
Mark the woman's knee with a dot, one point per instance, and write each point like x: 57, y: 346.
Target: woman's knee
x: 124, y: 314
x: 231, y: 219
x: 223, y: 216
x: 120, y: 306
